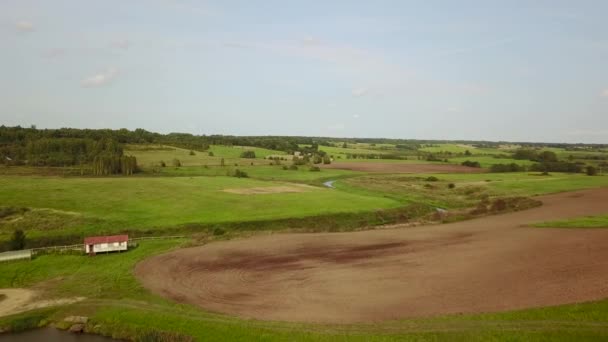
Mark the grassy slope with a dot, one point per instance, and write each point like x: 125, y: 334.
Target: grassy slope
x: 469, y: 187
x: 130, y: 202
x: 120, y: 306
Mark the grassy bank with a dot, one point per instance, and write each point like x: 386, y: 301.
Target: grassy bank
x: 581, y: 222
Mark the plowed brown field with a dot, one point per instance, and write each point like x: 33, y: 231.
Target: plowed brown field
x: 493, y: 263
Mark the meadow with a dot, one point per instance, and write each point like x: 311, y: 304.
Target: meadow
x: 116, y: 204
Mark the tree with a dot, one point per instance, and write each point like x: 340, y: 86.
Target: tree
x: 211, y: 154
x: 17, y: 241
x: 467, y: 153
x: 192, y: 153
x: 591, y: 170
x: 344, y: 145
x: 222, y: 163
x: 547, y: 157
x: 176, y: 163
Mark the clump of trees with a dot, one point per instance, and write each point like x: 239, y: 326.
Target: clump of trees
x: 248, y: 154
x: 108, y: 164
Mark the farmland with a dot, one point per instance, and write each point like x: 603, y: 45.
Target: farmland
x: 284, y: 257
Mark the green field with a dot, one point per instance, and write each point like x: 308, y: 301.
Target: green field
x: 118, y: 203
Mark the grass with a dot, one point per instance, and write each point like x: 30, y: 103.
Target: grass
x: 114, y: 204
x: 118, y: 306
x: 581, y: 222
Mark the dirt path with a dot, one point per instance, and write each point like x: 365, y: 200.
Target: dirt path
x: 489, y: 264
x: 20, y: 300
x: 401, y: 167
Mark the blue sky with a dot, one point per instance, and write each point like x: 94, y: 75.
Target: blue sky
x: 495, y: 70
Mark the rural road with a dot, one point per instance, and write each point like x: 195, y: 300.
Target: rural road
x: 494, y: 263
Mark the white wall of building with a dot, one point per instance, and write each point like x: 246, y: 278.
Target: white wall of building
x: 107, y: 247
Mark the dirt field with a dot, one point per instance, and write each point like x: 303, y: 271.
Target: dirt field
x: 489, y: 264
x: 401, y: 168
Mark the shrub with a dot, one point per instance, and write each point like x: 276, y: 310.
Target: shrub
x: 428, y: 186
x: 210, y: 154
x: 591, y: 171
x: 451, y: 186
x: 218, y: 231
x: 240, y: 174
x: 432, y: 179
x: 248, y: 154
x: 293, y: 167
x: 507, y: 168
x: 192, y: 153
x: 162, y: 164
x: 17, y: 241
x: 326, y: 160
x: 285, y: 167
x: 8, y: 211
x: 314, y: 169
x: 176, y: 163
x: 471, y: 163
x: 499, y: 205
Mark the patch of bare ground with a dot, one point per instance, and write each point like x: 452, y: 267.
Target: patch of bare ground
x: 270, y: 189
x: 401, y: 168
x: 494, y: 263
x: 21, y: 300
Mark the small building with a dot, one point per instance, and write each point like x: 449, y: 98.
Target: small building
x: 105, y: 244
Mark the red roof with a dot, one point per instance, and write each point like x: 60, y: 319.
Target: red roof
x: 95, y: 240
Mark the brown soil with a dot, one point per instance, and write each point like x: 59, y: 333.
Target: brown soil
x: 401, y: 167
x: 489, y: 264
x: 270, y: 189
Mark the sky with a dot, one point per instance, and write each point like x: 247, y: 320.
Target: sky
x: 475, y: 70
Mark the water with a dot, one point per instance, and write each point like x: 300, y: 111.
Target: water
x: 329, y: 184
x: 52, y: 335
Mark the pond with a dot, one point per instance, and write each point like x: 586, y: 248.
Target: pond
x: 52, y: 335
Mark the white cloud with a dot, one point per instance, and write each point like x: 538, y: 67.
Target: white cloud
x: 100, y: 79
x: 359, y: 92
x: 356, y: 116
x: 24, y: 26
x: 122, y: 44
x: 604, y: 93
x: 453, y: 109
